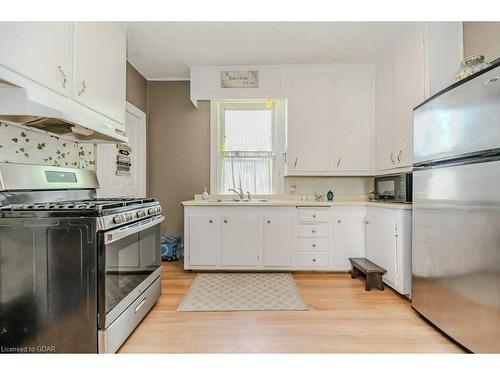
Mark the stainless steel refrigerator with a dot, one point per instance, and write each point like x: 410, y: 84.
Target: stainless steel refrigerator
x: 456, y: 215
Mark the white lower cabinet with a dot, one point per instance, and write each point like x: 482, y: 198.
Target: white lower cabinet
x: 313, y: 236
x: 381, y: 245
x: 204, y: 239
x: 388, y: 244
x: 240, y: 240
x: 278, y: 231
x: 299, y: 238
x: 314, y: 259
x: 348, y: 235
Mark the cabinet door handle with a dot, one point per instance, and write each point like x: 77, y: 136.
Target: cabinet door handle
x: 399, y: 156
x: 314, y: 259
x: 338, y: 162
x: 225, y: 221
x: 314, y: 216
x: 210, y: 221
x: 295, y: 164
x: 339, y: 221
x: 59, y: 67
x: 367, y: 222
x: 269, y: 221
x: 314, y: 231
x: 313, y: 245
x: 82, y: 90
x: 392, y: 158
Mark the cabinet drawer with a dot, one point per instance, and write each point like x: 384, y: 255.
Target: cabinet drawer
x: 313, y: 230
x: 313, y: 244
x: 313, y: 259
x: 313, y: 214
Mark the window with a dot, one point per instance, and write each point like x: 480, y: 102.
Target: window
x: 245, y: 148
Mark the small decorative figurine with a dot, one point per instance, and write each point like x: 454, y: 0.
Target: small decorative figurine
x: 329, y: 195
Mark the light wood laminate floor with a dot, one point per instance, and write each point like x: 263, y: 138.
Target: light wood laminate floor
x: 342, y: 318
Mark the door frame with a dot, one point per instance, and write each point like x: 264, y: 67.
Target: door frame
x: 133, y: 110
x: 104, y: 169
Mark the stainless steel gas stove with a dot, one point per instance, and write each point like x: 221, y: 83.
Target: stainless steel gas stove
x: 77, y: 273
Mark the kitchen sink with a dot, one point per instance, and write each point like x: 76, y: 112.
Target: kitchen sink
x: 239, y: 201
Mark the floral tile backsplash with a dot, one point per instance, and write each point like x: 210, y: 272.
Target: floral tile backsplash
x: 19, y: 144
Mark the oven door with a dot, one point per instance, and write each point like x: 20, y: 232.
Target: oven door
x: 129, y: 262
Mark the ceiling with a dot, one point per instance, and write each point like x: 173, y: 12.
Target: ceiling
x: 166, y: 50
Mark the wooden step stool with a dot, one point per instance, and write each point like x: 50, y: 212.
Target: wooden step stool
x: 371, y: 270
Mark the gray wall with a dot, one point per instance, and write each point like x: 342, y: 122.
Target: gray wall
x: 137, y: 88
x: 482, y: 38
x: 178, y: 148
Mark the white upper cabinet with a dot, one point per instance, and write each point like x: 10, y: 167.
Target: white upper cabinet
x: 331, y: 120
x: 422, y: 62
x: 353, y: 119
x: 100, y: 68
x: 309, y: 131
x: 408, y: 93
x: 40, y: 51
x: 443, y: 52
x: 78, y: 69
x: 385, y: 138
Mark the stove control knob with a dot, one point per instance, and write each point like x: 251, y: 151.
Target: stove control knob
x: 151, y: 211
x: 141, y: 213
x: 117, y: 219
x: 128, y: 217
x: 158, y: 210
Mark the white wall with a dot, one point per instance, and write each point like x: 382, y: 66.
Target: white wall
x: 341, y: 186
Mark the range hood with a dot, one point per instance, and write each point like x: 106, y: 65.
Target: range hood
x: 18, y: 109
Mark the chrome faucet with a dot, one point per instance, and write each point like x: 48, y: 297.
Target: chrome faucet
x: 239, y: 193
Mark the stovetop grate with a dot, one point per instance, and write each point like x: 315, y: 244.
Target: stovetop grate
x: 98, y: 204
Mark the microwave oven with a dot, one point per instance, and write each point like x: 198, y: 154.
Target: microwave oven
x: 394, y: 188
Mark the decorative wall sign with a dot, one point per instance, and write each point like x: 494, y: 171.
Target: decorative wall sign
x: 239, y: 79
x: 123, y: 160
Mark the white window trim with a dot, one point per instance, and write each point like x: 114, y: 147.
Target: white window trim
x: 215, y: 143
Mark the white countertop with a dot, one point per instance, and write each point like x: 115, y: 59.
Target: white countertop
x: 295, y: 202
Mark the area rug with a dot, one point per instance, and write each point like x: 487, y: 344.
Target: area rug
x: 242, y: 291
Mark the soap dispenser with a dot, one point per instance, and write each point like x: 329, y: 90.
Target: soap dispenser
x: 205, y: 195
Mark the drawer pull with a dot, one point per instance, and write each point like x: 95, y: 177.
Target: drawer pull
x: 269, y: 221
x: 314, y: 216
x: 313, y: 245
x: 210, y: 221
x: 225, y: 221
x: 314, y: 231
x: 138, y: 307
x: 339, y: 221
x: 314, y: 259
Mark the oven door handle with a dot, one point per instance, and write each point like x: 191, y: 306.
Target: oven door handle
x: 120, y: 233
